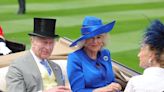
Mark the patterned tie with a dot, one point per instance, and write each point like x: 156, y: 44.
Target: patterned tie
x: 45, y: 64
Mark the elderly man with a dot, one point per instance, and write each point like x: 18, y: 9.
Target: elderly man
x: 33, y: 72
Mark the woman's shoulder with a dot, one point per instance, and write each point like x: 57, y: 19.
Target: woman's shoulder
x: 136, y: 79
x: 76, y: 53
x: 105, y: 51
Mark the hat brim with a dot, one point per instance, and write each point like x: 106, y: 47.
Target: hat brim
x: 103, y: 29
x: 39, y: 35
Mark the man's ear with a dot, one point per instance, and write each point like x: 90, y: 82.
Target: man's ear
x: 31, y: 39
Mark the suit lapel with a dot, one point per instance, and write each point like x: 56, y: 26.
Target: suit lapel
x: 34, y: 69
x: 57, y: 73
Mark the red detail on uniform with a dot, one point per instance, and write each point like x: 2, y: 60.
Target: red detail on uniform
x: 1, y: 31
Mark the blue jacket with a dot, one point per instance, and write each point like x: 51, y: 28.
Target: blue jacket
x: 86, y: 74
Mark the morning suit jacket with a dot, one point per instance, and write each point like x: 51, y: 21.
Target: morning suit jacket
x: 24, y: 75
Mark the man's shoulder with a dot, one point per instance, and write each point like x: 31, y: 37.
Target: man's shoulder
x: 22, y: 59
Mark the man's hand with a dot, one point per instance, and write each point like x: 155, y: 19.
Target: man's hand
x: 59, y: 89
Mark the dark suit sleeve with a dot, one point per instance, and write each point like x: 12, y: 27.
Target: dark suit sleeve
x: 14, y: 80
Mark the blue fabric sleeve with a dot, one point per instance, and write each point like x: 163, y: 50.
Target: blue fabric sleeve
x: 75, y: 74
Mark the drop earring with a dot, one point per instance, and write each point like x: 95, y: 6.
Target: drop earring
x: 149, y: 62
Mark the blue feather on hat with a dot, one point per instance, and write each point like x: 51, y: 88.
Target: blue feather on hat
x: 154, y: 35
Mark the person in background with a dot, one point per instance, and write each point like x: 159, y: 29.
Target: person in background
x: 4, y: 50
x: 89, y: 69
x: 33, y: 72
x: 151, y: 57
x: 22, y: 6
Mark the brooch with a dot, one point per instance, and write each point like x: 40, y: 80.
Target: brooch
x: 105, y: 58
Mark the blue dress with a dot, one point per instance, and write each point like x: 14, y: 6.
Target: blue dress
x: 86, y: 74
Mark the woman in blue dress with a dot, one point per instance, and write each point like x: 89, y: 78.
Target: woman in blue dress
x: 89, y: 68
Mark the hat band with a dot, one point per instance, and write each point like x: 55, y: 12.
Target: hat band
x: 88, y: 29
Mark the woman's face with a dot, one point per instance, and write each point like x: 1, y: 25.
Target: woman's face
x: 94, y: 44
x: 145, y: 55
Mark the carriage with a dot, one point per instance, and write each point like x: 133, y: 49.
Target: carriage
x: 59, y: 56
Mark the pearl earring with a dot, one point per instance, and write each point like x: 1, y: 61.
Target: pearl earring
x: 150, y: 62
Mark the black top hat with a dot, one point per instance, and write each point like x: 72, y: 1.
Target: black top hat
x: 44, y: 27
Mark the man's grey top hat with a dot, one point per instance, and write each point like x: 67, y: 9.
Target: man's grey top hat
x: 44, y: 27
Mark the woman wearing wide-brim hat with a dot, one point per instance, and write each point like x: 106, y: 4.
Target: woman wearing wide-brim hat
x: 89, y: 68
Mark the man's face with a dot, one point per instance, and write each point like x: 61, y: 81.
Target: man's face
x: 42, y: 47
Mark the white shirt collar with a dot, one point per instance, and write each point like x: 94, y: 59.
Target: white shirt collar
x: 37, y: 59
x: 154, y: 71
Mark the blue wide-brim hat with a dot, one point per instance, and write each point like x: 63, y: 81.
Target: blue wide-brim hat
x: 92, y: 27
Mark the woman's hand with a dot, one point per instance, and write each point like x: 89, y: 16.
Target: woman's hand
x: 113, y: 87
